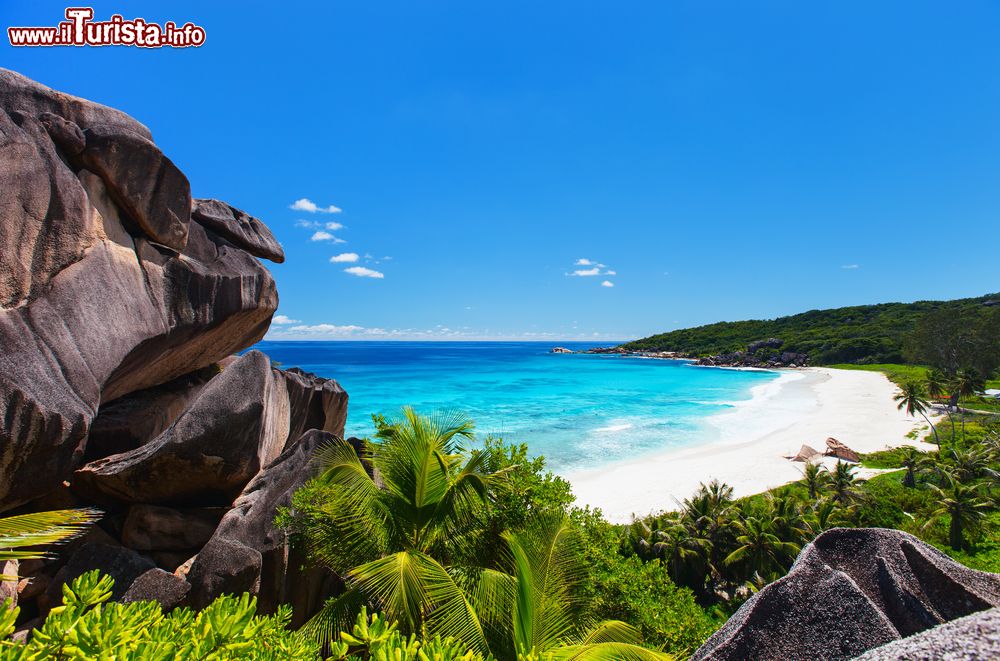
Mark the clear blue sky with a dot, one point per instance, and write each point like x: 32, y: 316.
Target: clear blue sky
x: 726, y: 160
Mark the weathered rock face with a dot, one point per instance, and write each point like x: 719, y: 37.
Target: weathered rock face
x: 106, y: 284
x: 970, y: 638
x: 246, y: 542
x: 849, y: 591
x: 122, y: 304
x: 239, y: 422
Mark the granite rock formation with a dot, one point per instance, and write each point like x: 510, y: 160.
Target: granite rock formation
x: 123, y: 302
x: 849, y: 591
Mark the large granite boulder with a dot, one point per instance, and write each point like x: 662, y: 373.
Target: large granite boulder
x: 157, y: 585
x: 107, y: 286
x: 849, y: 591
x: 239, y: 228
x: 121, y: 564
x: 137, y: 418
x: 246, y: 543
x: 971, y: 638
x: 240, y: 422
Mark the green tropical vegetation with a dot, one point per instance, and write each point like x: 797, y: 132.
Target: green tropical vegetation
x: 460, y: 544
x: 864, y: 334
x: 89, y: 626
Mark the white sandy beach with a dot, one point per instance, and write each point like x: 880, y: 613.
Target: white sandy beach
x: 801, y: 407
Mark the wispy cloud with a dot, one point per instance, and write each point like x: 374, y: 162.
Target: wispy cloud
x: 344, y: 257
x: 332, y: 226
x: 583, y: 261
x: 281, y: 319
x: 325, y: 236
x: 586, y: 272
x: 307, y: 205
x: 851, y: 266
x: 329, y: 331
x: 607, y: 283
x: 364, y: 272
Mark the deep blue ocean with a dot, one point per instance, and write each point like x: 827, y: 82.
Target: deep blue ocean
x: 579, y: 411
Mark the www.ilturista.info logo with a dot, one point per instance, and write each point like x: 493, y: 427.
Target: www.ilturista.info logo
x: 79, y: 29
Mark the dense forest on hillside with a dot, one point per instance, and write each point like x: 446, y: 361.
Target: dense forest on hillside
x: 882, y: 333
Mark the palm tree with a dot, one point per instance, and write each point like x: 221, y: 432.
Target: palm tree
x: 843, y: 485
x: 392, y: 537
x: 763, y: 552
x: 937, y: 386
x: 787, y: 518
x: 964, y: 506
x: 967, y: 382
x: 828, y: 514
x: 911, y: 461
x: 537, y: 609
x: 971, y: 464
x: 937, y: 383
x: 678, y: 548
x: 815, y: 479
x: 911, y: 397
x: 387, y: 541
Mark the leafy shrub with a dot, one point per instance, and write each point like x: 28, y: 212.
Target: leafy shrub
x: 86, y: 626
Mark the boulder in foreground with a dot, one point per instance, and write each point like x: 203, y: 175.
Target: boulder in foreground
x: 849, y: 591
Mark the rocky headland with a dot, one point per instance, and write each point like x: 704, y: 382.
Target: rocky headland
x: 123, y: 304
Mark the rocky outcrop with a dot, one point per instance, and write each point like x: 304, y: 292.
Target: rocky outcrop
x: 240, y: 422
x: 969, y: 638
x: 849, y: 591
x: 123, y: 304
x: 246, y: 548
x: 107, y: 285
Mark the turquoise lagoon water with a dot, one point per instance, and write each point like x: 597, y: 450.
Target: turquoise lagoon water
x: 579, y: 411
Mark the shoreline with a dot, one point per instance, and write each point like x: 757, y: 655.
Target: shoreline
x: 801, y: 406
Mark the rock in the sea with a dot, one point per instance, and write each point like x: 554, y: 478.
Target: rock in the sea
x: 971, y: 638
x: 107, y: 286
x: 246, y: 543
x: 157, y: 585
x: 240, y: 421
x: 852, y: 590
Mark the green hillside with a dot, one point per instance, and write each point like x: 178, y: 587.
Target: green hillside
x: 857, y: 334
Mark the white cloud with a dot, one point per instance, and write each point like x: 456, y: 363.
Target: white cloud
x: 282, y: 319
x: 334, y: 226
x: 583, y: 261
x: 326, y: 329
x: 305, y: 204
x: 586, y: 272
x: 607, y: 283
x: 610, y: 272
x: 325, y: 236
x: 850, y: 266
x: 363, y: 272
x: 311, y: 224
x: 344, y: 257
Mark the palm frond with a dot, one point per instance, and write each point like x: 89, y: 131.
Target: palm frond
x: 337, y: 614
x: 41, y: 529
x: 607, y: 652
